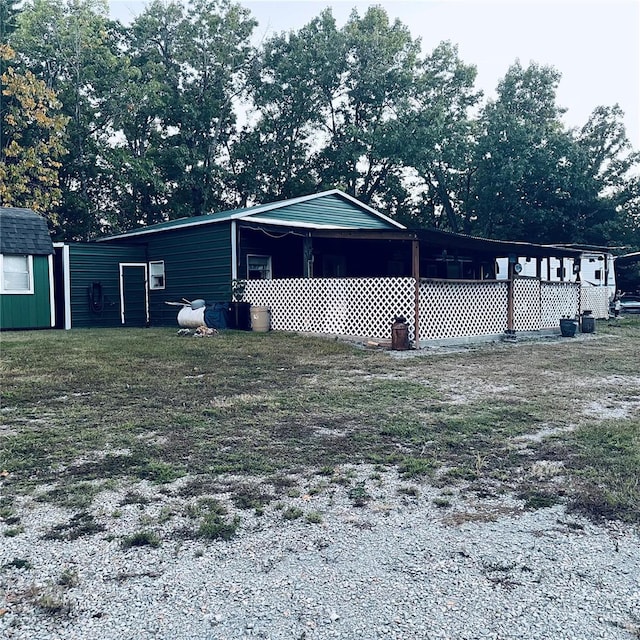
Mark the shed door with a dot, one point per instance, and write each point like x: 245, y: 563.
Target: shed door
x: 134, y: 297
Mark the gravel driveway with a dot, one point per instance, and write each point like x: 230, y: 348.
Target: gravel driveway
x: 397, y: 567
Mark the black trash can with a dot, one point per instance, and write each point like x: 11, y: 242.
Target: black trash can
x: 588, y: 324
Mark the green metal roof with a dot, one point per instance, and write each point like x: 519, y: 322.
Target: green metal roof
x: 327, y: 210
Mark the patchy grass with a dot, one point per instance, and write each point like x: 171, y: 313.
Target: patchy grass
x: 86, y: 408
x: 141, y: 539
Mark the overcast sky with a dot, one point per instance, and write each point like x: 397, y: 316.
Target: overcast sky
x: 595, y: 45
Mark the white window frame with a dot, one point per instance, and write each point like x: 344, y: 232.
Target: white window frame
x: 153, y: 284
x: 268, y: 271
x: 3, y: 289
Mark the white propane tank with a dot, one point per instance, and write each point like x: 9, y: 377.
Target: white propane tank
x: 191, y: 318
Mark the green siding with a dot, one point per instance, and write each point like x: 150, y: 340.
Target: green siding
x: 29, y: 311
x: 99, y: 263
x: 197, y: 264
x: 330, y: 210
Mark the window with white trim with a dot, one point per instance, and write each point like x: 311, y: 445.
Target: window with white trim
x: 16, y: 274
x: 156, y: 275
x: 258, y: 267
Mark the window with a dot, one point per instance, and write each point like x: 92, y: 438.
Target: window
x: 17, y: 274
x: 598, y: 274
x: 258, y: 267
x: 156, y: 275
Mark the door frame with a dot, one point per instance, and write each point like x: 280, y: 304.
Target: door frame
x: 144, y: 266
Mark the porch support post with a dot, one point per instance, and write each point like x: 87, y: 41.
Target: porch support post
x: 510, y: 287
x: 415, y: 270
x: 234, y: 250
x: 539, y: 268
x: 307, y: 257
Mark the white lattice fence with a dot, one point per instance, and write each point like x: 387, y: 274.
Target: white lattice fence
x: 596, y: 299
x: 342, y: 306
x: 558, y: 299
x: 456, y: 309
x: 526, y: 304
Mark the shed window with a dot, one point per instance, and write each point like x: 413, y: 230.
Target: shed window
x: 258, y: 267
x: 17, y: 274
x: 156, y: 274
x: 598, y: 274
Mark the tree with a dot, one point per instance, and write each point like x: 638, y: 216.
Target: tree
x: 173, y: 109
x: 145, y: 105
x: 440, y: 138
x: 520, y: 156
x: 72, y: 47
x: 293, y: 87
x: 364, y: 142
x: 538, y: 182
x: 32, y: 141
x: 8, y: 23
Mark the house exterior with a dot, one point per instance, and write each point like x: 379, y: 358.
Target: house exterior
x: 324, y: 263
x: 26, y: 271
x: 133, y: 274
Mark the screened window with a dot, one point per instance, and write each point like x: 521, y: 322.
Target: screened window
x: 17, y: 274
x: 259, y: 267
x: 156, y: 274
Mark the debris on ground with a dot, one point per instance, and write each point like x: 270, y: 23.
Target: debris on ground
x: 201, y: 332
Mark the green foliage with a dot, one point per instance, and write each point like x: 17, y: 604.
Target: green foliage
x: 31, y: 143
x: 177, y: 114
x: 535, y: 181
x: 141, y: 539
x: 359, y: 495
x: 292, y: 513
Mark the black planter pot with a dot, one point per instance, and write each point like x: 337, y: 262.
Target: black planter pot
x: 568, y: 327
x: 240, y: 316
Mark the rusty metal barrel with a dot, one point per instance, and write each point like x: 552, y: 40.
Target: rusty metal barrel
x: 399, y: 334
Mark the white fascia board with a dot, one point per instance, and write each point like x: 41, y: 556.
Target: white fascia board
x: 144, y: 232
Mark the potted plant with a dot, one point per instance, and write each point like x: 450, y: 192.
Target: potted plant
x: 240, y: 311
x: 568, y: 326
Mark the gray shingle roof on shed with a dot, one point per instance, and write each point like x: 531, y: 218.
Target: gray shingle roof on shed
x: 23, y: 232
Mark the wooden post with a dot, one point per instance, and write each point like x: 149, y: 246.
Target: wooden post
x: 307, y: 257
x: 415, y: 270
x: 510, y: 287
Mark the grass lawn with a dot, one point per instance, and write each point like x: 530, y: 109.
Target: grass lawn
x: 555, y: 420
